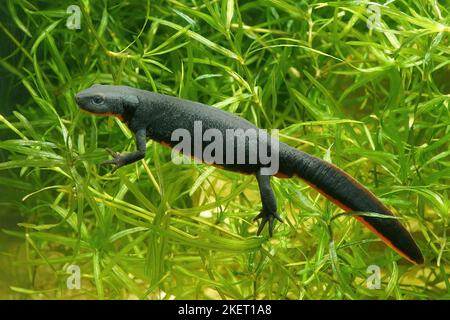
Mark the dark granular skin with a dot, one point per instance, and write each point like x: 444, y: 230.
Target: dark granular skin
x: 157, y: 116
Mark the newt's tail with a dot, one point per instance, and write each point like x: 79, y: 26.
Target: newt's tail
x: 350, y: 195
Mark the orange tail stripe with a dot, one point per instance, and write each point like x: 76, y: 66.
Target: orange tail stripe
x: 361, y: 219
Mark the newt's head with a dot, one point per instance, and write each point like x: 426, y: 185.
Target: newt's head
x: 107, y: 100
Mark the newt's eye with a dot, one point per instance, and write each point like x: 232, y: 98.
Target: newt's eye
x: 98, y: 100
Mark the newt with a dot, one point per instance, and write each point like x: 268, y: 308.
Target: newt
x: 157, y: 116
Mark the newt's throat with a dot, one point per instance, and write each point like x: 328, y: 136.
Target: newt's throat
x: 107, y: 114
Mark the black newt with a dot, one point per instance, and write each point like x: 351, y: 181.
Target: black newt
x: 158, y: 116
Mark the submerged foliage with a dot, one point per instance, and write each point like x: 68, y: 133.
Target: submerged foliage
x: 364, y: 86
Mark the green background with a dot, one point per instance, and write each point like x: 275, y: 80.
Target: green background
x: 363, y: 86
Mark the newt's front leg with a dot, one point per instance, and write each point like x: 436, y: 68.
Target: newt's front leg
x: 269, y: 203
x: 120, y: 160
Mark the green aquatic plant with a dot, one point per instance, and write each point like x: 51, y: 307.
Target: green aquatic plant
x: 363, y: 86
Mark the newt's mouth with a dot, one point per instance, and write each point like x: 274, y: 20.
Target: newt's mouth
x: 106, y: 114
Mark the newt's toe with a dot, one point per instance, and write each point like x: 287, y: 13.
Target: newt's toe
x: 267, y: 216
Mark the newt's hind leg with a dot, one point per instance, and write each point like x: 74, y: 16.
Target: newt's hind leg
x: 269, y: 203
